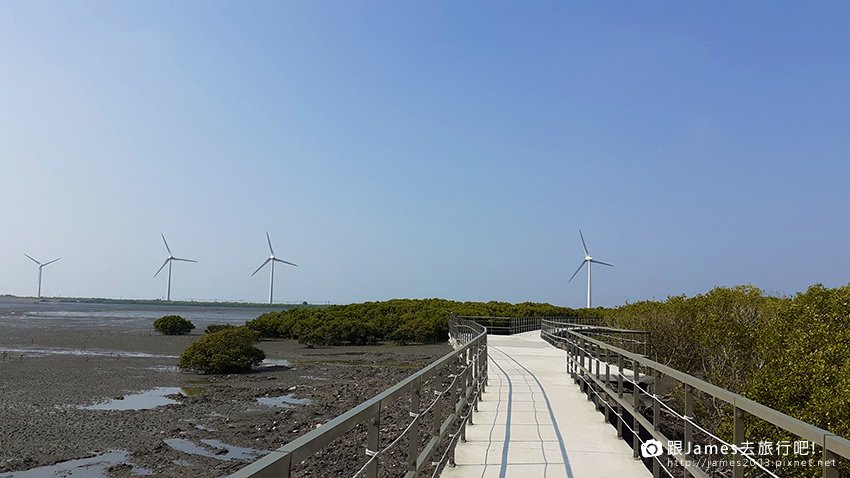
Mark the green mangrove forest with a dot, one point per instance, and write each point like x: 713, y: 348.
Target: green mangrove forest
x: 789, y: 353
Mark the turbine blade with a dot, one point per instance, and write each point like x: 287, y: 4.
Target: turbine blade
x: 576, y: 272
x: 261, y: 266
x: 166, y: 243
x: 600, y: 262
x: 39, y: 263
x: 270, y: 242
x: 285, y: 262
x: 51, y: 262
x: 582, y: 243
x: 161, y: 267
x: 184, y: 260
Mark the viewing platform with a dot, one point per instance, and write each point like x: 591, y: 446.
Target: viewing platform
x: 533, y: 421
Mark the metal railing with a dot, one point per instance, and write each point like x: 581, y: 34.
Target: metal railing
x: 518, y: 325
x: 467, y: 372
x: 635, y: 341
x: 590, y: 362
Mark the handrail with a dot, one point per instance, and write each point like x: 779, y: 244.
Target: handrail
x: 518, y: 325
x: 467, y: 364
x: 586, y: 353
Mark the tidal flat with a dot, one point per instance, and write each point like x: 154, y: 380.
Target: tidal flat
x: 92, y: 390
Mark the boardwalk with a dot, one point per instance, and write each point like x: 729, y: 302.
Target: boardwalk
x: 534, y: 422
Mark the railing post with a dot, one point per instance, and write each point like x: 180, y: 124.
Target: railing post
x: 579, y: 355
x: 437, y: 410
x: 829, y: 469
x: 453, y: 390
x: 689, y: 428
x: 571, y: 359
x: 620, y: 384
x: 574, y: 358
x: 620, y: 421
x: 738, y: 427
x: 620, y: 409
x: 454, y: 399
x: 469, y: 387
x: 485, y: 365
x: 635, y: 406
x: 597, y: 354
x: 413, y: 442
x: 373, y: 443
x: 478, y: 385
x: 656, y: 401
x: 582, y: 353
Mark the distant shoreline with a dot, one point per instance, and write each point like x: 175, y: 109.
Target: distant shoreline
x: 103, y: 300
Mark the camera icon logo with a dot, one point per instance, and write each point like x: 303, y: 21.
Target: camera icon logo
x: 651, y: 448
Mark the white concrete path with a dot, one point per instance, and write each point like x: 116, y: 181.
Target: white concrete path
x: 533, y: 421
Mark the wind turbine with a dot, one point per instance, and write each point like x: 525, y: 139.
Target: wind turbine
x: 168, y: 261
x: 587, y: 260
x: 40, y: 267
x: 272, y: 259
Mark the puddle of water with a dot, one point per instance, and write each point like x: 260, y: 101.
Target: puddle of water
x: 215, y: 449
x: 275, y: 363
x: 93, y: 467
x: 285, y: 401
x: 139, y: 401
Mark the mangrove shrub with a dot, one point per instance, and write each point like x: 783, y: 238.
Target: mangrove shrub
x: 173, y: 325
x: 230, y: 350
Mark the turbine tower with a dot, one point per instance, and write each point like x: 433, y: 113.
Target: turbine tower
x: 272, y: 259
x: 587, y: 260
x: 168, y: 261
x: 40, y: 267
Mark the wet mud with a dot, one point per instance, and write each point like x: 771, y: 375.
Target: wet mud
x: 95, y: 400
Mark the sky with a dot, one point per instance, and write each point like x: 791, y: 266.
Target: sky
x: 424, y: 149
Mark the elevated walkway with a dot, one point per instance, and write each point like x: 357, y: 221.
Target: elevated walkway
x: 533, y: 421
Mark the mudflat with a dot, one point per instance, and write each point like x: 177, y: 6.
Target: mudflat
x: 104, y: 398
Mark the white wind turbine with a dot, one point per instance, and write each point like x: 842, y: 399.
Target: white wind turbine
x: 587, y: 260
x: 272, y: 259
x: 168, y: 261
x: 40, y: 267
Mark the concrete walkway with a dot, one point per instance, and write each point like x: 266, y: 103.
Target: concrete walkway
x: 533, y: 421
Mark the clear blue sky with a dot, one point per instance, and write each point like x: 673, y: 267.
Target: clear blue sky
x: 424, y: 149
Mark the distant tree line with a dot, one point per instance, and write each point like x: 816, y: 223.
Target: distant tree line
x: 401, y: 321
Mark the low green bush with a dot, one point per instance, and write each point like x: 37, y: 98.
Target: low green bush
x: 173, y: 325
x: 212, y: 328
x: 229, y: 350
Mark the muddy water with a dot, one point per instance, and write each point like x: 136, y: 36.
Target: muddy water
x: 29, y: 314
